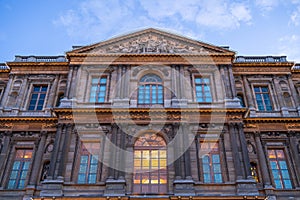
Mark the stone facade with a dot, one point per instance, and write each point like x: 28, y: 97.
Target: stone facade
x: 247, y: 107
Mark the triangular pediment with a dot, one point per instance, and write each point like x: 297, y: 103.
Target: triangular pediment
x: 151, y: 41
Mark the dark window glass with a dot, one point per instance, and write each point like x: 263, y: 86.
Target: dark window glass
x: 263, y: 100
x: 37, y: 98
x: 150, y: 90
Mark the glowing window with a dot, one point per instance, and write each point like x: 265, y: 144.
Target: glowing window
x: 279, y: 169
x: 20, y: 169
x: 150, y: 164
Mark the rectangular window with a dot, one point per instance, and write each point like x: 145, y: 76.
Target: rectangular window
x: 263, y: 100
x: 37, y: 98
x: 279, y: 169
x: 203, y: 90
x: 98, y: 90
x: 88, y: 164
x: 211, y: 164
x: 20, y: 169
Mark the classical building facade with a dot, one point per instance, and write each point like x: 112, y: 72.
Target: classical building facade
x: 150, y: 115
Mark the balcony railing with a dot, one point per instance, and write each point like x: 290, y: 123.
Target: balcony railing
x: 40, y: 59
x: 260, y: 59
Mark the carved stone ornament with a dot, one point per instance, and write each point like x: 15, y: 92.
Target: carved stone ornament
x: 151, y: 43
x: 6, y: 125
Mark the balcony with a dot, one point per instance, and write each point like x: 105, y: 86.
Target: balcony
x: 260, y: 59
x: 40, y: 59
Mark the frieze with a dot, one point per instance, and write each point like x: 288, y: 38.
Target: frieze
x: 49, y: 125
x: 151, y: 43
x: 6, y: 125
x: 273, y: 134
x: 293, y: 126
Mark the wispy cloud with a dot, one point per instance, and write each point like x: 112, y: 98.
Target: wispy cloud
x: 93, y: 19
x: 267, y: 5
x: 289, y: 45
x: 295, y: 17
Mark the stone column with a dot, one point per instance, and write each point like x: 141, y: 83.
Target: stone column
x: 112, y: 161
x: 244, y: 151
x: 295, y: 155
x: 232, y: 81
x: 235, y: 151
x: 7, y: 90
x: 21, y: 93
x: 73, y: 83
x: 278, y: 93
x: 52, y: 93
x: 186, y: 155
x: 225, y: 82
x: 64, y: 149
x: 54, y: 155
x: 69, y: 80
x: 294, y: 94
x: 38, y: 156
x: 248, y: 92
x: 177, y: 152
x: 5, y: 151
x: 262, y: 161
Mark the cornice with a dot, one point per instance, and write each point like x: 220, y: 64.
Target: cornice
x: 272, y: 119
x: 28, y: 119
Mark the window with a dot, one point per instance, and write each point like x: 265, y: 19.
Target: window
x: 37, y: 98
x: 150, y: 164
x: 150, y: 90
x: 203, y: 87
x: 211, y: 164
x: 98, y: 90
x: 88, y: 164
x: 279, y: 169
x: 20, y: 169
x: 263, y: 98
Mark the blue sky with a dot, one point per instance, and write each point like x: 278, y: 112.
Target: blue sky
x: 249, y: 27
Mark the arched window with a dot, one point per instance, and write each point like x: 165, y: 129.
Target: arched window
x: 150, y: 164
x: 150, y: 90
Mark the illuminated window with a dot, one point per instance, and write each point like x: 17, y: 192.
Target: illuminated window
x: 211, y: 164
x: 88, y: 165
x: 263, y: 100
x: 203, y: 90
x: 150, y: 90
x: 98, y: 90
x: 37, y: 98
x: 279, y: 169
x: 20, y: 169
x: 150, y: 164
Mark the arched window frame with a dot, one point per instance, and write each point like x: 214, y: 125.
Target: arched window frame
x: 150, y: 90
x: 150, y: 164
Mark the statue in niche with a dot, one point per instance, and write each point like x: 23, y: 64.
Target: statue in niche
x: 45, y: 170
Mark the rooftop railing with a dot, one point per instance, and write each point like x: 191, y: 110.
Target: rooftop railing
x: 40, y: 59
x: 260, y: 59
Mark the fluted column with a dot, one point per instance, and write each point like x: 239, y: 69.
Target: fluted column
x: 279, y: 94
x: 244, y: 151
x: 248, y: 92
x: 112, y: 160
x: 54, y: 155
x: 7, y: 90
x: 235, y: 151
x: 69, y: 80
x: 21, y: 93
x: 262, y: 161
x: 186, y: 155
x: 295, y: 155
x: 52, y: 92
x: 232, y: 81
x: 294, y: 92
x: 38, y: 159
x: 65, y: 149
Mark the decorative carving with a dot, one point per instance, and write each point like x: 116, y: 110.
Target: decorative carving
x: 49, y: 125
x: 250, y: 147
x: 6, y: 125
x: 152, y: 43
x: 66, y: 116
x: 293, y: 126
x: 251, y: 125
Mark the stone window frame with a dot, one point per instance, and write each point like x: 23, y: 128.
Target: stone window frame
x: 45, y: 82
x: 200, y: 141
x: 145, y: 148
x: 88, y: 137
x: 39, y: 93
x: 19, y: 143
x: 95, y: 73
x: 150, y: 84
x: 261, y: 93
x: 279, y: 146
x: 213, y: 89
